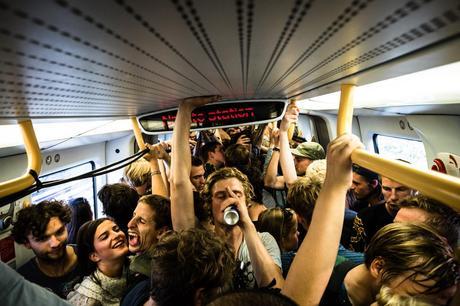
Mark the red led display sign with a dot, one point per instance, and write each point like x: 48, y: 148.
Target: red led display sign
x: 216, y: 115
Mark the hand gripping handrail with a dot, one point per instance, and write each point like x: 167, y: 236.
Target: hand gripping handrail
x: 33, y: 158
x: 438, y: 186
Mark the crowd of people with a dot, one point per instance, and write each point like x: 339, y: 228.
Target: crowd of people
x: 312, y: 229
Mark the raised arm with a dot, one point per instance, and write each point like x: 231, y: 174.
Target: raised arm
x: 158, y: 184
x: 309, y: 273
x: 287, y: 163
x: 182, y: 212
x: 271, y: 177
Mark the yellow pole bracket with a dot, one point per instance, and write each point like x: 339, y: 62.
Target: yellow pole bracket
x: 138, y: 133
x: 34, y: 161
x: 438, y: 186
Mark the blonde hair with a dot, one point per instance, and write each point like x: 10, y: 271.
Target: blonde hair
x: 317, y: 169
x: 278, y: 222
x: 137, y: 173
x: 302, y: 196
x: 223, y: 174
x: 387, y: 297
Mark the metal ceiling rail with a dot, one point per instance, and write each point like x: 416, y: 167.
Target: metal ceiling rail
x: 441, y: 187
x: 33, y: 158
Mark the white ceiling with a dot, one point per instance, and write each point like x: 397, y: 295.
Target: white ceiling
x: 111, y: 59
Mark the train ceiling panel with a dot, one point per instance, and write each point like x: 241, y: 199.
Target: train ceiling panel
x: 118, y: 58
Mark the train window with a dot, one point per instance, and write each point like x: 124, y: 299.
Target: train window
x: 410, y: 150
x: 220, y: 114
x: 79, y: 188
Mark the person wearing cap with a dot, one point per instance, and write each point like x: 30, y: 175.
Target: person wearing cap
x: 294, y: 162
x: 366, y: 188
x: 305, y: 154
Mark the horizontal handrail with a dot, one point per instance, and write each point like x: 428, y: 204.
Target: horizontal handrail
x: 34, y: 162
x: 432, y: 184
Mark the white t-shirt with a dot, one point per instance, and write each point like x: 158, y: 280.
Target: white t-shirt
x: 243, y: 255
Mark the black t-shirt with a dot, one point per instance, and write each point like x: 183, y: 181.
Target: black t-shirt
x: 336, y: 294
x: 368, y: 222
x: 60, y: 285
x: 138, y: 295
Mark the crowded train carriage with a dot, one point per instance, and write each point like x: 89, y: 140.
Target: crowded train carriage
x: 241, y: 152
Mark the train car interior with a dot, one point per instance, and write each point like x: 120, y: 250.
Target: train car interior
x: 81, y: 72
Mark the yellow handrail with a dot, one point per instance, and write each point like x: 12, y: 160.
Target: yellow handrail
x: 438, y: 186
x: 33, y: 161
x: 138, y: 134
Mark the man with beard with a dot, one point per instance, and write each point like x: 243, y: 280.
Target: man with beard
x: 366, y: 188
x: 42, y: 228
x: 371, y: 219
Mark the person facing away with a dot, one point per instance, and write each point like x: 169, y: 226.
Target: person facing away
x: 81, y: 213
x: 212, y: 155
x: 151, y: 219
x: 18, y: 291
x: 282, y: 224
x: 369, y: 220
x: 189, y: 268
x: 409, y: 258
x: 138, y: 176
x: 419, y: 208
x: 366, y: 188
x: 118, y: 201
x: 42, y: 229
x: 102, y: 251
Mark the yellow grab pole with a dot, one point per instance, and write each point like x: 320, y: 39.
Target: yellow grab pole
x: 292, y: 125
x: 345, y: 117
x: 33, y: 161
x: 438, y: 186
x: 138, y: 134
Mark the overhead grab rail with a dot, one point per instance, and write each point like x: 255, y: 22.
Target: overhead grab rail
x: 15, y: 189
x: 438, y: 186
x: 34, y: 162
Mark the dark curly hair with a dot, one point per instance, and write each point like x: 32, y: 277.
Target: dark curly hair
x: 34, y: 219
x: 118, y: 201
x: 186, y: 261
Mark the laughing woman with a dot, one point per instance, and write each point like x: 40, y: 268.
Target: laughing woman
x: 102, y: 251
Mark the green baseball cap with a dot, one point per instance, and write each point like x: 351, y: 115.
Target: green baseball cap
x: 310, y: 150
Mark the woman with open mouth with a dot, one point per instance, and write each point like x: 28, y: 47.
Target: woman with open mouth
x: 102, y: 251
